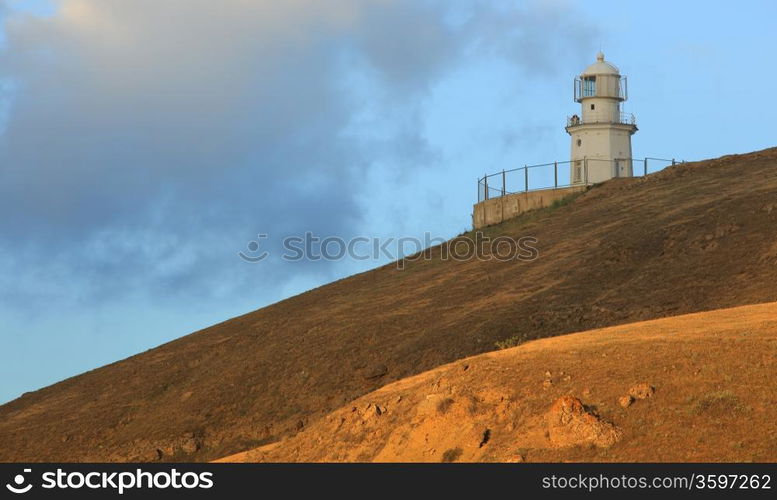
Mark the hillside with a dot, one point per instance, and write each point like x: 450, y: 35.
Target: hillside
x: 695, y: 237
x: 712, y: 396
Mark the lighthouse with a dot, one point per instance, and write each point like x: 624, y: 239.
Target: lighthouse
x: 601, y: 133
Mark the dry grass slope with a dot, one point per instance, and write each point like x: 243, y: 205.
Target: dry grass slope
x: 702, y: 390
x: 694, y: 237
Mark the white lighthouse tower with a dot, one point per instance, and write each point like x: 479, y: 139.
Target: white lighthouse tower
x: 601, y: 134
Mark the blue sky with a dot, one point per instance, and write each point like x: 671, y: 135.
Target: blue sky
x: 144, y: 143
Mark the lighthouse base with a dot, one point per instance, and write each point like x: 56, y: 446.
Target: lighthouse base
x: 496, y: 210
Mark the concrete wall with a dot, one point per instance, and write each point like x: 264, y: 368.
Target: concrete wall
x: 496, y: 210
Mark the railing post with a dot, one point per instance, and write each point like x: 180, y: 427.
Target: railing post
x: 555, y: 174
x: 673, y: 162
x: 526, y: 177
x: 485, y: 183
x: 645, y: 167
x: 504, y: 183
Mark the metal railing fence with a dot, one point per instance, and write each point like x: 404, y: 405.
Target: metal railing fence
x: 558, y: 174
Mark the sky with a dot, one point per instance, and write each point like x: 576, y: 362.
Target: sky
x: 144, y: 144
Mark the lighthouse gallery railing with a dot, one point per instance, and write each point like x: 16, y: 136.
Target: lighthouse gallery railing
x: 623, y: 118
x: 554, y: 176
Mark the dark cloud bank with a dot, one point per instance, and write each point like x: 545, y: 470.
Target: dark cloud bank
x: 147, y: 141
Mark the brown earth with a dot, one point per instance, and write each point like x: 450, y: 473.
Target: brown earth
x: 695, y: 237
x: 709, y: 397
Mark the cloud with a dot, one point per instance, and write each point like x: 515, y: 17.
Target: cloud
x: 146, y: 141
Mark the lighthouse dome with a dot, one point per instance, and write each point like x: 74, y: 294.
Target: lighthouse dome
x: 601, y: 67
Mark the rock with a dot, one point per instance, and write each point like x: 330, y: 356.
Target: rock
x: 641, y: 391
x: 372, y: 410
x: 626, y: 401
x: 548, y: 374
x: 570, y: 423
x: 547, y: 384
x: 376, y: 371
x: 190, y: 445
x: 166, y: 450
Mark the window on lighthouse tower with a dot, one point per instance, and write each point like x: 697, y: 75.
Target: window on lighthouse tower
x: 589, y: 86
